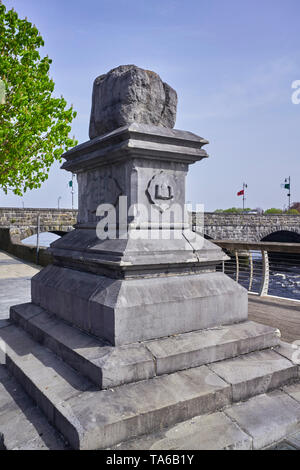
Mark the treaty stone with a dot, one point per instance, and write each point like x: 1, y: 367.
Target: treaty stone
x: 129, y: 94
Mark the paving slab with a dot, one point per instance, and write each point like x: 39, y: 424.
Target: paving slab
x: 255, y: 373
x: 267, y: 418
x: 210, y: 432
x: 15, y: 276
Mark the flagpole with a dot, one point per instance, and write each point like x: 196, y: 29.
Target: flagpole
x: 72, y: 191
x: 245, y: 186
x: 287, y: 186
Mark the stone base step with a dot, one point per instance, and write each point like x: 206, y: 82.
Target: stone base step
x: 109, y: 366
x: 90, y: 418
x: 22, y: 425
x: 258, y: 423
x: 255, y: 373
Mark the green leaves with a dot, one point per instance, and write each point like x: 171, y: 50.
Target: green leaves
x: 34, y: 125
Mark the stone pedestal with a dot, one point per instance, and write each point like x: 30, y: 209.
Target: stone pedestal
x: 155, y: 277
x: 132, y: 329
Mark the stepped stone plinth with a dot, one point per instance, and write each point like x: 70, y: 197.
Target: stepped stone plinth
x: 153, y: 277
x: 132, y: 329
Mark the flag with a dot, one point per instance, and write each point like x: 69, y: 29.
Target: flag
x: 71, y: 184
x: 241, y: 193
x: 287, y: 186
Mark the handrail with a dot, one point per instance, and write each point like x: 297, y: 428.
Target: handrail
x: 281, y: 247
x: 263, y: 266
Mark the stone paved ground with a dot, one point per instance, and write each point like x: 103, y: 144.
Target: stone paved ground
x: 15, y: 278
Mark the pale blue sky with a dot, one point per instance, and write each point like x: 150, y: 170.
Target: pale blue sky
x: 232, y: 63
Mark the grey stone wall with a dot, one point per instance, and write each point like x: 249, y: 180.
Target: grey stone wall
x: 216, y: 226
x: 246, y: 227
x: 10, y: 241
x: 51, y: 219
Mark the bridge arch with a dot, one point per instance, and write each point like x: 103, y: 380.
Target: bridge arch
x: 45, y: 237
x: 18, y: 234
x: 281, y: 234
x: 208, y: 237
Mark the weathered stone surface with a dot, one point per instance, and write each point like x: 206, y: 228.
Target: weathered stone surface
x: 166, y: 276
x: 209, y: 432
x: 127, y: 311
x: 246, y: 227
x: 291, y: 352
x: 267, y: 418
x: 22, y: 424
x: 130, y: 94
x: 208, y: 346
x: 109, y: 366
x: 293, y: 390
x: 51, y: 218
x: 104, y: 365
x: 90, y: 418
x: 135, y: 288
x: 255, y: 373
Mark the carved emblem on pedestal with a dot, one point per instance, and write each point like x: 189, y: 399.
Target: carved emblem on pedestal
x: 160, y: 190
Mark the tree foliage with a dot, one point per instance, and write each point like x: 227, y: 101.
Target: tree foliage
x: 233, y: 210
x: 273, y: 210
x: 296, y: 206
x: 292, y: 212
x: 34, y: 124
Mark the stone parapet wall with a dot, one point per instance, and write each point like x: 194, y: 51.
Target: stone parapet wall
x: 10, y: 241
x: 54, y: 218
x: 248, y: 227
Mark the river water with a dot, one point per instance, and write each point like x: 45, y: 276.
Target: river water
x: 284, y: 278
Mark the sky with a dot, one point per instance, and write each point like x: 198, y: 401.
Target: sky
x: 231, y: 62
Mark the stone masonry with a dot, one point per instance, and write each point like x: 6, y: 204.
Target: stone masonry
x: 216, y: 226
x: 246, y: 227
x: 53, y: 218
x: 133, y: 333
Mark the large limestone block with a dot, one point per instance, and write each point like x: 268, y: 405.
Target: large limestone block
x: 128, y: 311
x: 127, y: 94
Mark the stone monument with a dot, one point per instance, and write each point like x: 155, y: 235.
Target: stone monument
x: 145, y: 286
x: 133, y: 301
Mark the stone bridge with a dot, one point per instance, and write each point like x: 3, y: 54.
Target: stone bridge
x: 23, y: 222
x: 245, y: 227
x: 250, y: 227
x: 17, y: 224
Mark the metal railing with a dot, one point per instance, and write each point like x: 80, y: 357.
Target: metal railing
x: 264, y: 268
